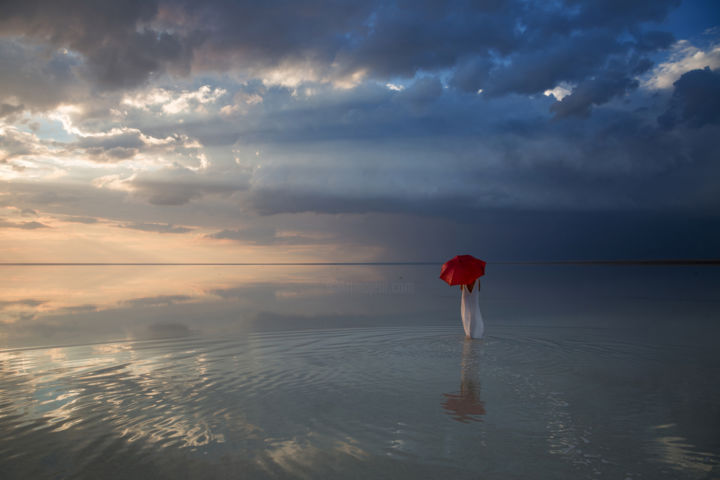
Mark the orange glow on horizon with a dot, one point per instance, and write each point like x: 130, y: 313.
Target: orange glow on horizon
x: 106, y: 242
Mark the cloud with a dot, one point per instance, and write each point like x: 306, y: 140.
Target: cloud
x: 22, y: 225
x: 596, y: 61
x: 118, y: 45
x: 684, y: 57
x: 123, y: 143
x: 695, y: 101
x: 340, y: 43
x: 483, y: 155
x: 26, y: 302
x: 15, y: 143
x: 441, y: 36
x: 269, y: 235
x: 178, y: 186
x: 157, y: 301
x: 80, y: 219
x: 270, y: 128
x: 421, y: 92
x: 7, y: 109
x: 113, y: 147
x: 472, y: 74
x: 594, y: 92
x: 32, y: 155
x: 172, y: 103
x: 33, y: 78
x: 423, y: 149
x: 32, y: 225
x: 156, y: 227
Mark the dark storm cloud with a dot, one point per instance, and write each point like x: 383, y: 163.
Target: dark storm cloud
x: 615, y: 160
x: 472, y: 74
x: 653, y: 40
x: 695, y: 101
x: 142, y: 54
x: 270, y: 32
x: 404, y: 37
x: 596, y: 91
x: 411, y: 158
x: 269, y: 202
x: 502, y: 47
x: 423, y: 110
x: 619, y: 14
x: 119, y: 47
x: 600, y: 65
x: 38, y: 79
x: 421, y: 92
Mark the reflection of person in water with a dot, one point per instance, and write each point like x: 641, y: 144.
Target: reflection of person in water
x: 466, y: 406
x: 470, y: 310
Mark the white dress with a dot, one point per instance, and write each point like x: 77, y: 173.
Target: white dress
x: 470, y: 311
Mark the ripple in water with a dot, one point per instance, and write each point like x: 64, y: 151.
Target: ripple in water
x: 383, y: 402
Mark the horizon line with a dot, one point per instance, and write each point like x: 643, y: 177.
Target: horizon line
x: 530, y: 262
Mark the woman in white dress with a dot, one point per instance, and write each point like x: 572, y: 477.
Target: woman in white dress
x: 470, y: 310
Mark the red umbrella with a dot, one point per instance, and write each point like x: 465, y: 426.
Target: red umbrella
x: 462, y: 270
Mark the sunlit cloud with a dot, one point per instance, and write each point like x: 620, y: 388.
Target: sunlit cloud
x: 559, y: 92
x: 684, y: 57
x: 242, y: 102
x: 174, y: 103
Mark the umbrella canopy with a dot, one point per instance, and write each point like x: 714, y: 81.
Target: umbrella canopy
x: 462, y: 270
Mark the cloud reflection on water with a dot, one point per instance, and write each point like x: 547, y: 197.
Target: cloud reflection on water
x: 46, y: 306
x: 69, y: 305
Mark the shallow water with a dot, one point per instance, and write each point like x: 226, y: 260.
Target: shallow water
x: 358, y: 372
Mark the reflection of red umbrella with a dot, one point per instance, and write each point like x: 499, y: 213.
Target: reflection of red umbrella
x: 467, y: 406
x: 462, y: 270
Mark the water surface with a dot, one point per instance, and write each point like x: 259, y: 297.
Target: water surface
x: 358, y: 372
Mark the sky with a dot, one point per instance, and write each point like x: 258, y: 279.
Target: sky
x: 339, y: 131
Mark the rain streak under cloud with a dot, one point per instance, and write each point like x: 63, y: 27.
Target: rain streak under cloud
x: 358, y: 131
